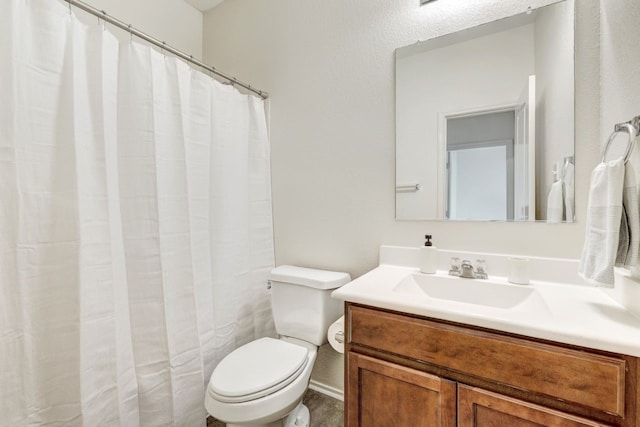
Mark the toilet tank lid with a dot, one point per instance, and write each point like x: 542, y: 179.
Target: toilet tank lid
x: 318, y: 279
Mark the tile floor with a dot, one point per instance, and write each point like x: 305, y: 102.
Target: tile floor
x: 325, y: 411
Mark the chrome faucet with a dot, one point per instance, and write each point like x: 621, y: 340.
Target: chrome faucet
x: 466, y: 270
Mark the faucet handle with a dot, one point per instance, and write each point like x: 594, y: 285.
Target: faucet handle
x: 454, y: 267
x: 481, y: 269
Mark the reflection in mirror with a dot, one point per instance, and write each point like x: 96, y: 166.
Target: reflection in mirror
x: 485, y: 121
x: 479, y: 155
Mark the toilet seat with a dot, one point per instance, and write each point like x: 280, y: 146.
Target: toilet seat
x: 257, y: 369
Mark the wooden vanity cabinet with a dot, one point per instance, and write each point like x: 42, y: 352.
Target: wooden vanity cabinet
x: 405, y: 370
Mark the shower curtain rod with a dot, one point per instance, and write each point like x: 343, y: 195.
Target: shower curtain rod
x: 101, y: 14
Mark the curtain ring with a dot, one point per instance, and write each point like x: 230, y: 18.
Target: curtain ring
x: 104, y: 20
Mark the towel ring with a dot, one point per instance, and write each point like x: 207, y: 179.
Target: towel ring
x: 623, y: 127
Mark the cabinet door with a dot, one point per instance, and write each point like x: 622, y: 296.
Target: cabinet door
x: 481, y: 408
x: 384, y: 394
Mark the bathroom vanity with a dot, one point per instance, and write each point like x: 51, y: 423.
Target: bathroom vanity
x: 431, y: 350
x: 407, y: 370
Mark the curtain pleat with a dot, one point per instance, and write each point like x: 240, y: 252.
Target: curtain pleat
x: 135, y: 224
x: 196, y: 118
x: 101, y: 269
x: 13, y: 404
x: 157, y: 237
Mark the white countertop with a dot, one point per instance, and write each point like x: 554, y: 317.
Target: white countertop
x: 579, y: 315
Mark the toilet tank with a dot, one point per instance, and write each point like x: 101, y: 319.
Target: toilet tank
x: 301, y: 301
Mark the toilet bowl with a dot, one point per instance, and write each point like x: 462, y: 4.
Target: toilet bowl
x: 262, y: 383
x: 255, y: 400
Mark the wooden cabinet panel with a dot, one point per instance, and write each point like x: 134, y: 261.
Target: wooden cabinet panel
x: 592, y: 380
x: 384, y: 394
x: 481, y: 408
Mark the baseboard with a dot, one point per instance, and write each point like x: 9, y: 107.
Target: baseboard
x: 327, y: 390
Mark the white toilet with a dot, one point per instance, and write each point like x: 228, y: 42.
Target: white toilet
x: 261, y: 384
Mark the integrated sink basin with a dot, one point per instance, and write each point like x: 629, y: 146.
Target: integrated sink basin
x: 472, y: 292
x: 556, y: 305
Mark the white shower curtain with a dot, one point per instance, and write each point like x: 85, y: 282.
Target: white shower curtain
x: 135, y: 226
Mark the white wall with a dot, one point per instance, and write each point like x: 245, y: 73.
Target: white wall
x: 172, y: 21
x: 488, y: 71
x: 620, y: 39
x: 329, y: 68
x: 621, y: 98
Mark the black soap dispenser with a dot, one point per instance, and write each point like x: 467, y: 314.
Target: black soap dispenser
x: 428, y: 257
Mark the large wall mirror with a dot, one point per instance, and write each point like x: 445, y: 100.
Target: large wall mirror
x: 485, y: 121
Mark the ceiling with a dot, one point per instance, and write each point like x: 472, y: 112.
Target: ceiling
x: 204, y: 5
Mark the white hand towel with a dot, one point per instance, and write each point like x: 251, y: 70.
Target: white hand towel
x: 569, y: 188
x: 555, y: 202
x: 629, y: 240
x: 604, y: 214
